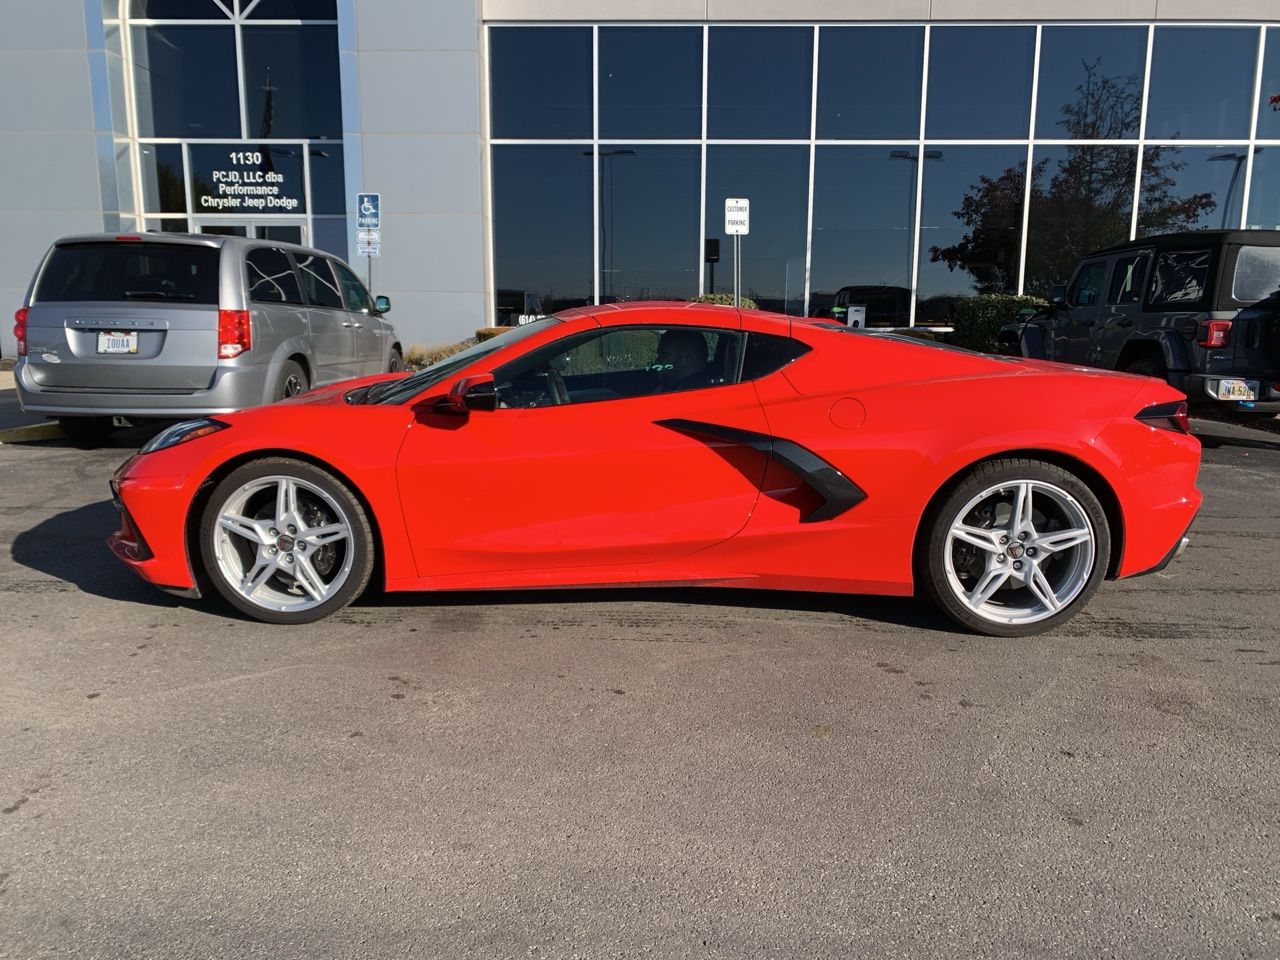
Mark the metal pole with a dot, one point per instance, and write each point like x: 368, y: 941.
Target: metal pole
x: 737, y: 270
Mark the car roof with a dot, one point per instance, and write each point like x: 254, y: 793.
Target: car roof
x: 195, y: 240
x: 637, y: 311
x: 1197, y: 238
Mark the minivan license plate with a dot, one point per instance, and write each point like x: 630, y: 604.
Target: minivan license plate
x: 117, y: 343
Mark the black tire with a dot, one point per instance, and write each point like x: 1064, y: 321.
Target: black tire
x: 396, y: 363
x: 1148, y: 367
x: 932, y: 562
x: 292, y: 381
x: 93, y: 430
x: 360, y: 543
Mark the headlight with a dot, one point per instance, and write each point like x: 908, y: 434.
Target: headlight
x: 181, y: 433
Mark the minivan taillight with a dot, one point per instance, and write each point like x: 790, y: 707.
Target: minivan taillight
x: 1167, y: 416
x: 1214, y: 333
x: 234, y: 336
x: 20, y: 330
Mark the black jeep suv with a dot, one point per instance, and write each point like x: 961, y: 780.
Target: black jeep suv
x: 1199, y: 309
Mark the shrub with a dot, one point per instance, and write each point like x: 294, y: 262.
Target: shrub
x: 421, y: 355
x: 977, y: 320
x: 725, y: 300
x: 488, y: 333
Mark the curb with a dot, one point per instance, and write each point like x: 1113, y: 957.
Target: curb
x: 34, y: 431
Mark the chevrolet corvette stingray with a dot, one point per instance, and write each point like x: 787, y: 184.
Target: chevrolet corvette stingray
x: 647, y: 444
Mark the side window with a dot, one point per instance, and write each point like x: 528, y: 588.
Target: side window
x: 1087, y: 288
x: 1127, y: 279
x: 318, y: 282
x: 354, y: 295
x: 270, y: 276
x: 620, y: 363
x: 766, y: 353
x: 1179, y: 279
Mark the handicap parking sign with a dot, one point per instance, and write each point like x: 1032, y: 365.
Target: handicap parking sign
x: 368, y: 211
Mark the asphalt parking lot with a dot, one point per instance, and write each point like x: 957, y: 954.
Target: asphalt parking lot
x: 663, y: 773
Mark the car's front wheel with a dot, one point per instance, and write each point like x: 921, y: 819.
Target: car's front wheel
x: 285, y: 541
x: 1016, y: 548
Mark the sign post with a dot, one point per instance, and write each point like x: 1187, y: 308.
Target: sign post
x: 368, y: 229
x: 737, y: 224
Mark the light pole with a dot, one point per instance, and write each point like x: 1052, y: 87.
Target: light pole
x: 606, y: 251
x: 1239, y: 159
x: 911, y: 199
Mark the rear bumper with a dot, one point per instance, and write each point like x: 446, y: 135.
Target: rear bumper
x: 1196, y: 387
x: 234, y: 388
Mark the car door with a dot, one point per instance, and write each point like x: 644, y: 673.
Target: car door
x: 331, y: 329
x: 618, y: 475
x: 368, y: 332
x: 1075, y: 321
x: 1124, y: 303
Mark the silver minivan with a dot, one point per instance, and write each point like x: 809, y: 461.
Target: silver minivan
x: 124, y: 328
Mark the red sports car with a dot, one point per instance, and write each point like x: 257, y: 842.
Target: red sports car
x: 678, y: 444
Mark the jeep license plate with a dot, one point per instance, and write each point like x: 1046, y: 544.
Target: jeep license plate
x: 1237, y: 390
x: 117, y: 342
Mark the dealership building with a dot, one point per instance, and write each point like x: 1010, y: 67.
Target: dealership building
x: 531, y: 155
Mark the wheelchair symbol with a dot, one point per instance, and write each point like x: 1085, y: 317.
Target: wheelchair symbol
x: 366, y: 207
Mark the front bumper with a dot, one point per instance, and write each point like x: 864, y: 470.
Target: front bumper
x: 152, y: 538
x: 234, y: 388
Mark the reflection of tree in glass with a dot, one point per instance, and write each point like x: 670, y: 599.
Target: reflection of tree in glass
x: 1082, y: 206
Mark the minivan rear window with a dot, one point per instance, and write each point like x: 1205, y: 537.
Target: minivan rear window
x: 130, y: 271
x: 1257, y: 274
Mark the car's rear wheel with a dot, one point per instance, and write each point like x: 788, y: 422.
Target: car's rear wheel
x: 291, y: 381
x: 87, y: 429
x: 1016, y: 548
x: 285, y: 541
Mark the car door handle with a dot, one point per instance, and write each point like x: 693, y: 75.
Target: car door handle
x: 1086, y: 323
x: 349, y: 323
x: 1124, y: 322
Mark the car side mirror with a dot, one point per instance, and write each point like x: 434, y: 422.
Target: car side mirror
x: 382, y: 304
x: 1058, y: 295
x: 471, y: 393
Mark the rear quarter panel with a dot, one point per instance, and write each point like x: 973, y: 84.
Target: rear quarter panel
x: 901, y: 420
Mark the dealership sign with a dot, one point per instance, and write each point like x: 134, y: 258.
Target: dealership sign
x: 232, y: 178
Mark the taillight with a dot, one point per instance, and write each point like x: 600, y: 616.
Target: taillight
x: 1214, y: 333
x: 1167, y: 416
x: 20, y: 330
x: 234, y: 336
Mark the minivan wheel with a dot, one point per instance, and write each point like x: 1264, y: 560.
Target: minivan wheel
x: 1017, y: 548
x: 285, y: 541
x: 292, y: 381
x: 87, y: 429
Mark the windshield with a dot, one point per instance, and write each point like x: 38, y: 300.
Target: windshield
x: 398, y: 391
x: 1257, y: 274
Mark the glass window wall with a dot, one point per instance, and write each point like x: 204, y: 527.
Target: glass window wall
x: 893, y: 215
x: 542, y: 227
x: 650, y: 82
x: 1201, y: 78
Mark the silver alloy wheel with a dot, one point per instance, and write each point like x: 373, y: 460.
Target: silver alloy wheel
x: 1027, y: 549
x: 283, y: 543
x: 292, y: 385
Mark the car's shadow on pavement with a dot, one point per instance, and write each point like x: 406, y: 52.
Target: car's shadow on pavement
x: 914, y: 613
x: 72, y: 547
